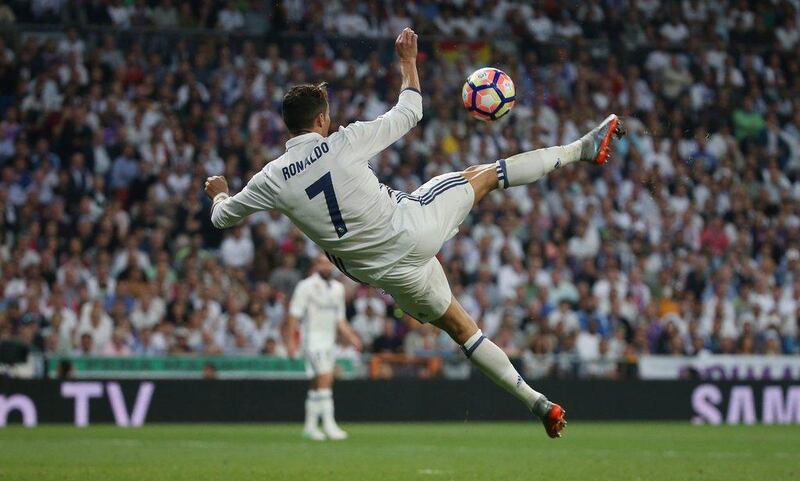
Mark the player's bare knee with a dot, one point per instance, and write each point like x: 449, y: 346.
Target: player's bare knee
x: 459, y: 333
x: 325, y: 381
x: 457, y: 323
x: 322, y: 381
x: 474, y: 170
x: 482, y: 178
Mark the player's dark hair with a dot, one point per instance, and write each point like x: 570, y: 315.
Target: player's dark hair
x: 302, y: 104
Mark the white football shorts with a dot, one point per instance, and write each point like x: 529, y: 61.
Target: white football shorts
x: 320, y: 361
x: 431, y: 215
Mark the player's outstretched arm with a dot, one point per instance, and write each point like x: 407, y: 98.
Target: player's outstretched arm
x: 298, y: 308
x: 350, y: 334
x: 406, y: 46
x: 369, y: 138
x: 288, y: 331
x: 227, y: 210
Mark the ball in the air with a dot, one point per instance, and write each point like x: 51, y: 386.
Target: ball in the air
x: 488, y: 94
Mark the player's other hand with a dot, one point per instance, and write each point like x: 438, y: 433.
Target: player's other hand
x: 406, y: 45
x: 216, y: 185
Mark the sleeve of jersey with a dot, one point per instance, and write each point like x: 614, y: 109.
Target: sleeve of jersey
x: 228, y: 211
x: 342, y: 307
x: 366, y: 139
x: 297, y: 306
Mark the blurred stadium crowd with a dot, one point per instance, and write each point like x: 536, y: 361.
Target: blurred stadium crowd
x: 685, y: 244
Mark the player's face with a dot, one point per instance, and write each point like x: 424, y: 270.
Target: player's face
x: 324, y: 266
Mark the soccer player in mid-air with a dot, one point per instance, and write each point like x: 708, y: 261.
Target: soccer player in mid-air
x: 318, y: 306
x: 389, y: 239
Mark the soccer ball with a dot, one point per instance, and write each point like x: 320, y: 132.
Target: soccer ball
x: 488, y: 94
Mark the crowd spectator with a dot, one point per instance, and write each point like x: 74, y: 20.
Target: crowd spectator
x: 685, y: 244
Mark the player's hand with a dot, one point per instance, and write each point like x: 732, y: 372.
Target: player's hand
x: 406, y: 45
x: 216, y: 185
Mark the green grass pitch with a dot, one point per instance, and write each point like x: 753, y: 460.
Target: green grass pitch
x: 402, y: 452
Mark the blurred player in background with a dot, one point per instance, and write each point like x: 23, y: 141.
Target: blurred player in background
x: 318, y: 308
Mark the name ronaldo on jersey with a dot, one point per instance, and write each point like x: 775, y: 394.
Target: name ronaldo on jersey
x: 296, y: 167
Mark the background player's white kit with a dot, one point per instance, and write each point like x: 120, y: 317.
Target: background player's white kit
x: 319, y: 305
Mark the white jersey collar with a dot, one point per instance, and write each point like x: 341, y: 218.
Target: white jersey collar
x: 302, y: 139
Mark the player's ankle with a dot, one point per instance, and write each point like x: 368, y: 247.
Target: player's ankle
x: 588, y: 150
x: 541, y: 407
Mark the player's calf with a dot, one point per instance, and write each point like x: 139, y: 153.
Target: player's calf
x: 314, y: 408
x: 329, y: 426
x: 493, y: 362
x: 482, y: 178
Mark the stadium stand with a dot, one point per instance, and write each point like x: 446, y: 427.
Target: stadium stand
x: 687, y: 243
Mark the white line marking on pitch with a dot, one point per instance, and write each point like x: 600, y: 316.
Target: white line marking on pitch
x: 431, y: 472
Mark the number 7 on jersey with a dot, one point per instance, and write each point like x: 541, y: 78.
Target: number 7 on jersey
x: 325, y: 185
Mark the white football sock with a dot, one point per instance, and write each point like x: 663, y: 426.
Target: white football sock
x: 326, y: 403
x: 313, y: 411
x: 494, y: 363
x: 529, y: 167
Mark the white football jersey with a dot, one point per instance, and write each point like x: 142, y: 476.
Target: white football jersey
x: 326, y: 187
x: 319, y: 306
